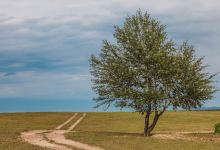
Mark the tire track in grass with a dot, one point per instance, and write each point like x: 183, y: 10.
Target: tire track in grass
x: 66, y: 122
x: 55, y: 138
x: 58, y: 137
x: 71, y: 122
x: 77, y: 122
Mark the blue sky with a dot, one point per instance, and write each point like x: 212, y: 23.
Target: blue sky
x: 45, y: 45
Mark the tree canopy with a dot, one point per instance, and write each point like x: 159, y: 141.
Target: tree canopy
x: 146, y: 71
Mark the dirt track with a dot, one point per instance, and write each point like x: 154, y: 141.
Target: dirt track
x: 55, y: 139
x: 185, y: 136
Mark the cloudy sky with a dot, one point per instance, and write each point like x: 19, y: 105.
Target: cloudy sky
x: 45, y: 45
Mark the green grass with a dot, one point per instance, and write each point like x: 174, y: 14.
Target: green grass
x: 12, y: 124
x: 123, y: 131
x: 217, y: 128
x: 113, y: 131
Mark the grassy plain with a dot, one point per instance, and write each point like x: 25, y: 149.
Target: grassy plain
x: 123, y: 131
x: 113, y: 131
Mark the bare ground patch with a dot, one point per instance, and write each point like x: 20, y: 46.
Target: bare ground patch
x: 189, y: 136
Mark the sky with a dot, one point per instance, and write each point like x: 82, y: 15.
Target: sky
x: 45, y: 46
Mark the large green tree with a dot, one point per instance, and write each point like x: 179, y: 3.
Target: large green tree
x: 145, y: 71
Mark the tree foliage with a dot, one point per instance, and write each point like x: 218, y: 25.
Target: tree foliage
x: 146, y: 71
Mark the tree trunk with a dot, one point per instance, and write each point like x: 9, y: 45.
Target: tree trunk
x: 149, y: 128
x: 146, y: 124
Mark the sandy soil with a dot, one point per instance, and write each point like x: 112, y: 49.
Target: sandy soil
x: 36, y: 138
x: 58, y: 137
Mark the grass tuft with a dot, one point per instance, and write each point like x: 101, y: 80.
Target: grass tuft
x: 217, y: 128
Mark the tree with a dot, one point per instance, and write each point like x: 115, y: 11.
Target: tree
x: 145, y: 71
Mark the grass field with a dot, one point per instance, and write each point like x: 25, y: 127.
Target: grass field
x: 12, y: 124
x: 113, y: 131
x: 123, y: 131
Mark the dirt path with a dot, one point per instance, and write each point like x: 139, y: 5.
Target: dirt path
x: 36, y: 138
x: 77, y: 122
x: 55, y: 139
x: 185, y: 136
x: 66, y: 122
x: 58, y: 137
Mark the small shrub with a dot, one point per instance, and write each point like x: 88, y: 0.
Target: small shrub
x: 217, y: 128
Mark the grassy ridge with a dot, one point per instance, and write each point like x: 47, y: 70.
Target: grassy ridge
x: 123, y: 131
x: 12, y: 124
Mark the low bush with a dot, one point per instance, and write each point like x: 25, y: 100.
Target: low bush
x: 217, y: 128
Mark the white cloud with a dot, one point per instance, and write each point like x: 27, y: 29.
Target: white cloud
x: 47, y: 84
x: 70, y: 30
